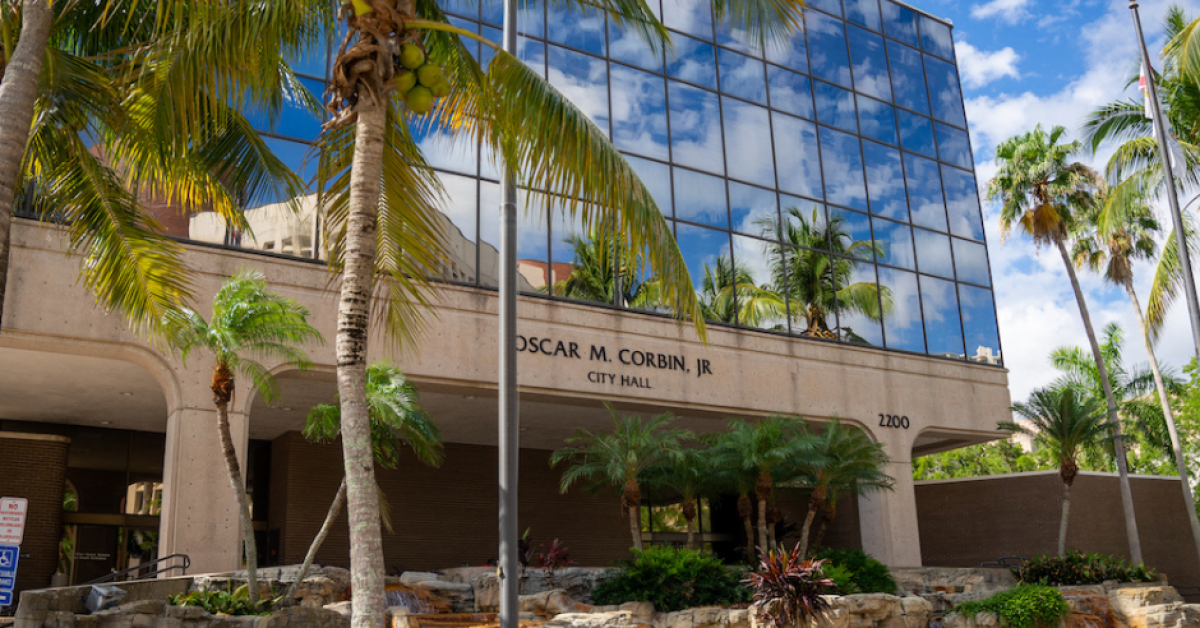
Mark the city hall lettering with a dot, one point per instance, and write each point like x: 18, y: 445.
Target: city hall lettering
x: 627, y: 357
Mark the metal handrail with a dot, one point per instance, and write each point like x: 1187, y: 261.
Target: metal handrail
x: 1003, y: 562
x: 114, y: 576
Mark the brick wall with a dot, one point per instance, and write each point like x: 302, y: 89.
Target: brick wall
x: 966, y: 522
x: 35, y: 467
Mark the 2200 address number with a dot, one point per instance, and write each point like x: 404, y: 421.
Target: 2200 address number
x: 893, y: 420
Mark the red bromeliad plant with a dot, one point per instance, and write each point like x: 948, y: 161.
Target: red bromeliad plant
x: 787, y: 588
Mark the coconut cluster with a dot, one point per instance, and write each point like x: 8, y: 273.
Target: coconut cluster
x: 420, y: 82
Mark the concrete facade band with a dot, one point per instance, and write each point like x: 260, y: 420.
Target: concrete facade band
x: 584, y: 356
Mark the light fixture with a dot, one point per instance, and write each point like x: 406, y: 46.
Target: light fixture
x: 126, y: 394
x: 523, y: 429
x: 286, y: 408
x: 106, y: 422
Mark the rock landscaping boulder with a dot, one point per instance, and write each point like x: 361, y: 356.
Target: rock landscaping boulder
x: 457, y: 596
x: 613, y: 619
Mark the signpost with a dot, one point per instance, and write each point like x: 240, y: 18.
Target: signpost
x: 12, y: 530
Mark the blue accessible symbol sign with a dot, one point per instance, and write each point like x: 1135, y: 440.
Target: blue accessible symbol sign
x: 9, y: 555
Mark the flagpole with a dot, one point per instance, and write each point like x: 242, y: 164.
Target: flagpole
x: 1189, y: 283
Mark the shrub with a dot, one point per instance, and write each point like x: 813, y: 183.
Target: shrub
x: 1027, y: 606
x: 236, y: 602
x: 1079, y: 568
x: 866, y: 573
x: 842, y: 577
x: 672, y: 579
x: 788, y: 588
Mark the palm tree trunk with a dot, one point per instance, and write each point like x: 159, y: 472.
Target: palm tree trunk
x: 1062, y: 525
x: 1169, y: 416
x: 334, y: 510
x: 18, y: 92
x: 804, y: 530
x: 635, y: 526
x: 820, y: 535
x: 745, y: 510
x: 354, y: 310
x: 1131, y: 531
x: 691, y: 529
x: 764, y: 544
x: 239, y: 491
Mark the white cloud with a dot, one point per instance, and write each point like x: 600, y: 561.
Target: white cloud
x: 978, y: 68
x: 1011, y: 11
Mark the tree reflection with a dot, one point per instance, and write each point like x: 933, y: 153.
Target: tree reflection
x: 606, y: 272
x: 728, y: 294
x: 818, y: 284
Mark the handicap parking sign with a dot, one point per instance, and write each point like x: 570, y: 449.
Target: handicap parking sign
x: 9, y: 555
x: 5, y: 598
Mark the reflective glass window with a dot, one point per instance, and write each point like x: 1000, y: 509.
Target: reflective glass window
x: 445, y: 150
x: 790, y: 54
x: 979, y: 324
x: 748, y: 143
x: 925, y: 204
x: 533, y: 53
x: 753, y: 210
x: 869, y: 63
x: 300, y: 158
x: 639, y: 112
x: 827, y: 48
x: 877, y: 120
x: 971, y: 262
x: 842, y: 158
x: 758, y: 304
x: 689, y: 16
x: 863, y: 13
x: 804, y: 223
x: 583, y: 79
x: 936, y: 38
x: 626, y: 46
x: 828, y: 6
x: 953, y: 146
x: 857, y: 295
x: 700, y: 198
x: 693, y: 61
x: 533, y: 239
x: 962, y: 203
x: 908, y: 78
x: 471, y: 45
x: 944, y: 92
x: 578, y: 255
x: 835, y: 106
x: 742, y: 76
x: 800, y: 270
x: 893, y: 243
x: 569, y: 244
x: 293, y: 120
x: 916, y: 133
x: 310, y: 61
x: 465, y: 8
x: 695, y: 128
x: 531, y: 20
x: 885, y: 181
x: 902, y: 325
x: 933, y: 253
x: 899, y: 22
x: 490, y: 11
x: 943, y: 328
x: 736, y: 39
x: 790, y: 92
x: 701, y: 248
x: 657, y: 178
x: 850, y: 234
x: 796, y: 156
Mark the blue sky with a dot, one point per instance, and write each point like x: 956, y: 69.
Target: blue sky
x: 1025, y: 62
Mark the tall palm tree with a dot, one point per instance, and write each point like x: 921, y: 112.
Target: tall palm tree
x: 620, y: 458
x: 769, y: 450
x: 729, y: 294
x: 101, y: 102
x: 846, y: 461
x: 1065, y: 421
x: 397, y: 421
x: 248, y: 321
x: 817, y: 284
x: 604, y: 271
x: 1110, y: 241
x: 1045, y: 196
x: 380, y: 198
x: 686, y: 474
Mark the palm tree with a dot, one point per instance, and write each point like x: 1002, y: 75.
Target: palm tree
x: 620, y: 458
x: 1109, y: 243
x: 397, y: 421
x: 142, y: 98
x: 728, y: 294
x: 1067, y: 422
x: 247, y: 320
x: 604, y: 271
x: 769, y: 450
x: 846, y: 462
x: 686, y: 474
x: 1045, y: 196
x: 817, y: 284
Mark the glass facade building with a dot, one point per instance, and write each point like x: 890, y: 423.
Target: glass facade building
x: 834, y: 173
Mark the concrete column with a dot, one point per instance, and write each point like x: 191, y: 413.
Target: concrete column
x: 888, y: 519
x: 199, y: 512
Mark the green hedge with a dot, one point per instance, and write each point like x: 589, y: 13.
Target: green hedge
x: 1027, y: 606
x: 1079, y: 568
x: 672, y: 579
x: 867, y: 575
